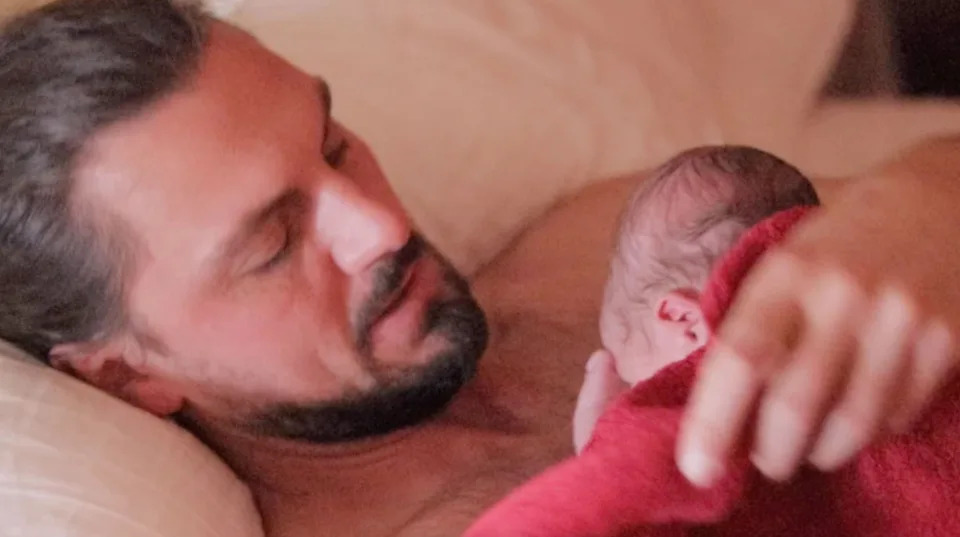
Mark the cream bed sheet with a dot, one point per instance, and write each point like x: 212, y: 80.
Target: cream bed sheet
x: 484, y: 112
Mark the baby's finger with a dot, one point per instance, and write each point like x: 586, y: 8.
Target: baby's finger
x: 883, y: 356
x: 601, y: 385
x: 794, y: 404
x: 751, y: 341
x: 934, y: 361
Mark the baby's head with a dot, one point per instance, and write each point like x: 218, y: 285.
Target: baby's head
x: 690, y: 212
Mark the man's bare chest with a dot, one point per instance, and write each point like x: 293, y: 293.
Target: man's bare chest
x: 514, y: 419
x: 507, y: 426
x: 520, y: 409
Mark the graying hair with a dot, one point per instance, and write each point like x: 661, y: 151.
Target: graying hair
x: 68, y: 70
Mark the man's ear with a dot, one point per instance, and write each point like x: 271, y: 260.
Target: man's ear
x: 681, y: 309
x: 106, y: 365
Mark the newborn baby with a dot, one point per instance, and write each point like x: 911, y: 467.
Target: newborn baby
x: 687, y: 241
x: 674, y: 228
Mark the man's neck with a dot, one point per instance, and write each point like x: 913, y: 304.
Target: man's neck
x: 394, y: 475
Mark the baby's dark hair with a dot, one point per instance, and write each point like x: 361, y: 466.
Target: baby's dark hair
x: 733, y: 187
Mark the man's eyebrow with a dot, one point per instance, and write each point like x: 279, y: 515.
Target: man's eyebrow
x: 326, y: 99
x: 254, y: 221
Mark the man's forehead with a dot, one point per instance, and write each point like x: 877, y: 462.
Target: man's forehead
x: 191, y: 164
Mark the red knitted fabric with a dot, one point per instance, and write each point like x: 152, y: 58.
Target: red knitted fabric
x: 626, y: 483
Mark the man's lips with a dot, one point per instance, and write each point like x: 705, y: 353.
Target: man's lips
x: 397, y: 297
x: 391, y: 287
x: 400, y: 323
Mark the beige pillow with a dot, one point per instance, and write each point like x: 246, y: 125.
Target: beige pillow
x: 75, y: 462
x: 484, y: 112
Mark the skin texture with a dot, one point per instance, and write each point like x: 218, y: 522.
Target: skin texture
x: 217, y: 346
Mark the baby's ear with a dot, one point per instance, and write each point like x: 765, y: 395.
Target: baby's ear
x: 681, y: 309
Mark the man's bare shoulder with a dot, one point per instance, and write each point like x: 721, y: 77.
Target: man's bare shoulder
x: 542, y: 298
x: 559, y: 263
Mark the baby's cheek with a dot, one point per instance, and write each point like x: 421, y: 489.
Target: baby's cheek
x: 632, y: 359
x: 613, y: 332
x: 626, y: 366
x: 613, y: 338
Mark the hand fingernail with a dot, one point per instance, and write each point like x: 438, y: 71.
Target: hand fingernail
x: 698, y: 467
x: 780, y: 441
x: 837, y: 443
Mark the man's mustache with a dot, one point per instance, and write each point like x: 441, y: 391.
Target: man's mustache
x: 387, y: 280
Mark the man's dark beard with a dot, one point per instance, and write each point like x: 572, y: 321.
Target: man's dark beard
x: 409, y: 396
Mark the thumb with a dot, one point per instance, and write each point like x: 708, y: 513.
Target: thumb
x: 601, y: 385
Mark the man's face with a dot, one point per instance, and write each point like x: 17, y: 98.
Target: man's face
x: 278, y: 286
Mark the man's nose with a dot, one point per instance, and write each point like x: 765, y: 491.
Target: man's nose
x: 358, y: 229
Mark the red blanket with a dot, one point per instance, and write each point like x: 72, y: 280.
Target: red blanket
x: 626, y: 483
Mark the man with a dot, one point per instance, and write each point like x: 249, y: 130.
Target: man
x: 184, y: 224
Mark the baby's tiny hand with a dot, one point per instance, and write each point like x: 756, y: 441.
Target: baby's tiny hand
x: 601, y: 385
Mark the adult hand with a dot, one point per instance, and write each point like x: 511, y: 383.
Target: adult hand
x: 846, y: 333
